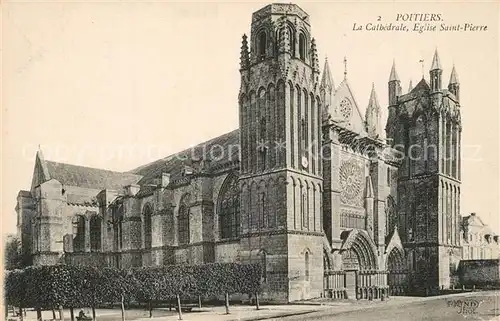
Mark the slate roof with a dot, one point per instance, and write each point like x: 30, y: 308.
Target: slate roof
x: 422, y: 85
x: 174, y: 164
x: 88, y: 177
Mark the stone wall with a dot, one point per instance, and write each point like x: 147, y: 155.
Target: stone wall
x: 479, y: 272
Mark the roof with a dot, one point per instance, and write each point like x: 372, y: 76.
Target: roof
x: 221, y: 149
x: 422, y: 85
x: 472, y: 218
x: 88, y: 177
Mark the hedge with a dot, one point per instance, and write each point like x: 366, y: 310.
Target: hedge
x: 72, y: 286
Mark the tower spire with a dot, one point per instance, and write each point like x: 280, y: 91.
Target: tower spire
x: 436, y: 73
x: 454, y: 85
x: 394, y: 75
x: 454, y: 76
x: 373, y: 115
x: 326, y: 78
x: 327, y: 86
x: 395, y: 91
x: 436, y: 62
x: 410, y: 86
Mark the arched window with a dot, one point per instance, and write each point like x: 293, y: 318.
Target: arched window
x: 388, y: 176
x: 306, y: 259
x: 183, y: 219
x: 36, y: 236
x: 229, y: 209
x: 78, y: 233
x: 293, y: 41
x: 302, y: 46
x: 262, y: 210
x: 303, y: 137
x: 263, y: 264
x: 262, y: 44
x: 117, y: 227
x: 303, y: 210
x: 148, y: 240
x: 95, y: 233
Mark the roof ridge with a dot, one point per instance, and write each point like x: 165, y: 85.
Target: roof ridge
x: 166, y: 158
x: 89, y: 167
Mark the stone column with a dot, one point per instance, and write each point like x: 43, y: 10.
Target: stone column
x: 331, y: 204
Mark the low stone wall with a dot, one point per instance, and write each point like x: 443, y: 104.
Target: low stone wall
x: 88, y: 259
x: 479, y: 273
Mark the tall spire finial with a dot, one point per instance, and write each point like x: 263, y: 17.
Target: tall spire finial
x: 410, y: 86
x: 345, y: 67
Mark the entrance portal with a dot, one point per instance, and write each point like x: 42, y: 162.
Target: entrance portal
x: 398, y: 273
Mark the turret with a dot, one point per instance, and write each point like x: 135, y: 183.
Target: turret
x: 394, y: 92
x: 454, y: 85
x: 394, y: 86
x: 436, y: 73
x: 373, y: 116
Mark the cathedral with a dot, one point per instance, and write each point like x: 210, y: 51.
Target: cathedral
x: 330, y: 202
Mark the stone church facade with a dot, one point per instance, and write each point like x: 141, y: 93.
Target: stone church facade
x: 307, y: 185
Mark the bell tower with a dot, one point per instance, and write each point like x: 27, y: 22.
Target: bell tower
x: 280, y: 169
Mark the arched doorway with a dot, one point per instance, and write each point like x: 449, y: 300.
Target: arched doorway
x: 359, y: 262
x: 398, y: 272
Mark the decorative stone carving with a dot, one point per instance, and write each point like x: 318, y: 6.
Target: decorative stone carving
x: 345, y: 108
x: 351, y: 180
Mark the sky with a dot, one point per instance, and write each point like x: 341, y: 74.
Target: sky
x: 117, y: 84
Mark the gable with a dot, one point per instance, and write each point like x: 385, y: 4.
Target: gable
x: 345, y: 109
x: 422, y: 85
x: 40, y: 172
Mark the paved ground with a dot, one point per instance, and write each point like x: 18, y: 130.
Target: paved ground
x: 471, y: 306
x: 242, y: 312
x: 466, y: 306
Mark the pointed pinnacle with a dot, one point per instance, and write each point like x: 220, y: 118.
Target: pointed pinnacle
x: 454, y: 76
x: 436, y: 63
x: 373, y: 101
x: 326, y: 78
x: 410, y: 86
x: 394, y: 74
